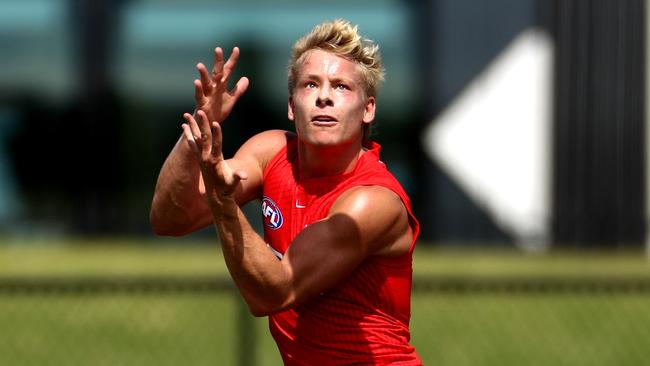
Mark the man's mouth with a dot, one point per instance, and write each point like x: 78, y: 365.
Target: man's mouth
x: 324, y: 120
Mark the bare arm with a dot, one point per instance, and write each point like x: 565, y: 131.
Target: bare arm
x: 364, y: 221
x: 178, y: 207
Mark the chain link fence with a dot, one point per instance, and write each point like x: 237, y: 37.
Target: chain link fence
x: 202, y: 321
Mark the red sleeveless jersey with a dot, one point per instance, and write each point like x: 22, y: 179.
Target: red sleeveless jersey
x: 364, y: 320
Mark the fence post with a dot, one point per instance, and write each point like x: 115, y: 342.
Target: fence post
x: 247, y: 337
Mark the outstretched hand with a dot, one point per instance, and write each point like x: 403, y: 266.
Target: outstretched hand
x: 205, y: 139
x: 211, y: 90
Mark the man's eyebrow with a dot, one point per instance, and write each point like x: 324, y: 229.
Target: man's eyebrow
x: 333, y: 79
x: 310, y: 76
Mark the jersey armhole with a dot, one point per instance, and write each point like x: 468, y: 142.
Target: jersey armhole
x: 283, y: 154
x: 414, y: 224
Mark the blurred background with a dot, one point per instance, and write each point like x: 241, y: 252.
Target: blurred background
x: 508, y: 122
x: 518, y: 127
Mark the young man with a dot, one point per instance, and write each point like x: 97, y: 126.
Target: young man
x: 333, y: 272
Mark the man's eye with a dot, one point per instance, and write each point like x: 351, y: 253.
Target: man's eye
x: 310, y: 85
x: 342, y: 87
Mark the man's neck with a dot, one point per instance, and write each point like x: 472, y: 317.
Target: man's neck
x: 324, y: 161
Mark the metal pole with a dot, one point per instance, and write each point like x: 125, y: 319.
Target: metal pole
x: 97, y: 116
x: 647, y: 126
x: 247, y: 337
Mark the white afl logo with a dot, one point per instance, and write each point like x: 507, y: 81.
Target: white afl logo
x: 271, y: 213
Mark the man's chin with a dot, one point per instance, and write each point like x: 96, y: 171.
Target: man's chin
x: 327, y: 141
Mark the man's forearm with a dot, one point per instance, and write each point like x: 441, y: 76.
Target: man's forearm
x: 256, y: 271
x: 177, y: 198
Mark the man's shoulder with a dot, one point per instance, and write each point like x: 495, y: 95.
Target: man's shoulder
x: 369, y: 198
x: 265, y: 145
x: 273, y: 138
x: 379, y: 215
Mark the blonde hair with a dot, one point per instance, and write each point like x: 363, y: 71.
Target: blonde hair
x: 342, y: 39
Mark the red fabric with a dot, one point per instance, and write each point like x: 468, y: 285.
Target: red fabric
x: 364, y: 319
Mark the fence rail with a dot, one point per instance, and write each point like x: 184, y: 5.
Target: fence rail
x: 441, y: 284
x: 201, y: 320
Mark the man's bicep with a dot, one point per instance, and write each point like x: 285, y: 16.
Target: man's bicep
x: 323, y: 254
x: 364, y: 221
x: 249, y: 188
x: 381, y: 217
x: 252, y: 157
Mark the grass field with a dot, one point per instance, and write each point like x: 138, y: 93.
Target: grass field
x: 205, y: 328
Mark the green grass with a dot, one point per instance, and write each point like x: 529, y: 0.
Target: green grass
x: 475, y: 262
x: 479, y: 328
x: 549, y: 329
x: 183, y: 257
x: 117, y: 329
x: 104, y: 257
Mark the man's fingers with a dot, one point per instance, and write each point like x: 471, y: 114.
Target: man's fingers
x: 230, y: 64
x: 194, y: 127
x: 204, y: 124
x: 240, y: 174
x: 217, y: 139
x: 198, y: 92
x: 206, y: 82
x: 206, y: 135
x: 189, y: 138
x: 217, y: 67
x: 240, y: 88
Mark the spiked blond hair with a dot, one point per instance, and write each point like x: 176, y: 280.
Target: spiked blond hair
x: 343, y: 39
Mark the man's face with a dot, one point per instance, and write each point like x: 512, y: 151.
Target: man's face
x: 328, y: 105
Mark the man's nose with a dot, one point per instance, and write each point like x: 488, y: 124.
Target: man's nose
x: 323, y: 98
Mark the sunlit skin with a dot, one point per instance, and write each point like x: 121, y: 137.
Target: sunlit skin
x: 329, y: 109
x: 198, y: 185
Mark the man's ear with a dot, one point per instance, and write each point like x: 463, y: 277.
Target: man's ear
x: 290, y: 109
x: 369, y: 112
